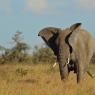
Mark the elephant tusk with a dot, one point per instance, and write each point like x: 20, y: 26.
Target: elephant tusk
x: 68, y: 60
x: 54, y: 64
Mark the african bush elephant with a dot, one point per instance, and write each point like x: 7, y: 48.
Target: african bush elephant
x: 73, y: 47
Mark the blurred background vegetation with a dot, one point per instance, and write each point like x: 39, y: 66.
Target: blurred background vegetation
x: 19, y: 52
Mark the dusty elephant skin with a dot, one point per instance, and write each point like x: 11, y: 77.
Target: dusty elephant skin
x: 72, y: 43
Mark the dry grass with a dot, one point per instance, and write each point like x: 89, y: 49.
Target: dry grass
x: 40, y: 79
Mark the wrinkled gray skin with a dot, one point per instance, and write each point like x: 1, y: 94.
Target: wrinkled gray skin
x: 73, y: 43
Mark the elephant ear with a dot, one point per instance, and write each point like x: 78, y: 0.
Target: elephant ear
x: 75, y: 28
x: 49, y: 35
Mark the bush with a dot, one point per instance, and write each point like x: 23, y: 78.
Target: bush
x: 43, y: 55
x: 22, y: 72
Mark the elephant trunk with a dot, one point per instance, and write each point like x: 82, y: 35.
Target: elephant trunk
x: 63, y: 64
x: 63, y: 71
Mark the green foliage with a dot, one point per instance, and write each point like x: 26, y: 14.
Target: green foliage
x: 43, y: 55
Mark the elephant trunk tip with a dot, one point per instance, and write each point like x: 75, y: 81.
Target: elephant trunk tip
x: 64, y: 79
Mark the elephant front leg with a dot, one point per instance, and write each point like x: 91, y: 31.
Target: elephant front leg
x: 80, y: 72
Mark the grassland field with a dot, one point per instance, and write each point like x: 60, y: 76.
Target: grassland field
x: 41, y: 79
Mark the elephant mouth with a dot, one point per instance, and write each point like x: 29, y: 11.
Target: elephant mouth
x: 72, y: 66
x: 67, y: 62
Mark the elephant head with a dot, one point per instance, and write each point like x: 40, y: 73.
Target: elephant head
x: 65, y: 45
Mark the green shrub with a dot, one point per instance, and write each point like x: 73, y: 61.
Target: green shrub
x: 43, y: 55
x: 22, y: 72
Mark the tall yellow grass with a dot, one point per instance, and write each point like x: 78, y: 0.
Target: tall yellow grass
x: 41, y: 79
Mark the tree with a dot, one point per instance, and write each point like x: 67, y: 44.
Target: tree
x: 19, y: 51
x: 17, y: 37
